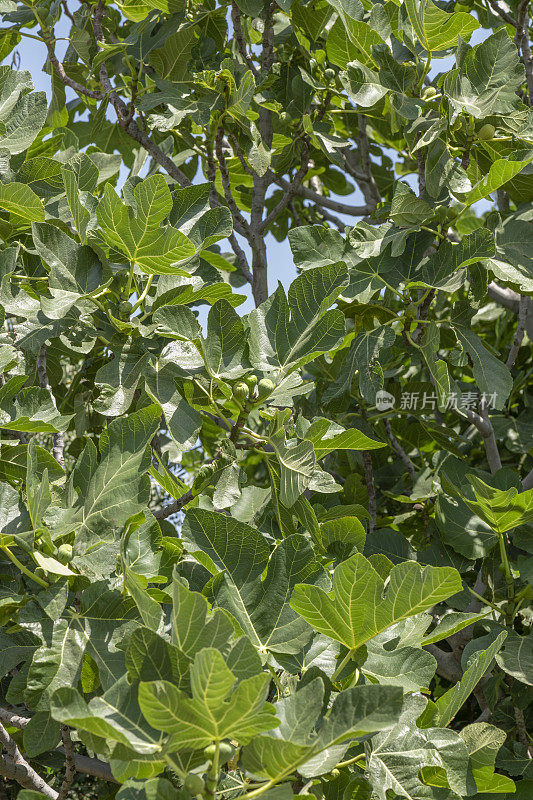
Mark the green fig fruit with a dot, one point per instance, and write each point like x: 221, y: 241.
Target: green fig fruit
x: 124, y: 309
x: 240, y: 391
x: 64, y: 553
x: 486, y: 132
x: 265, y: 387
x: 194, y: 783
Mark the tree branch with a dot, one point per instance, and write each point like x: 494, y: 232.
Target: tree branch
x: 367, y: 184
x: 241, y: 257
x: 214, y: 201
x: 396, y: 446
x: 482, y: 422
x: 527, y: 483
x: 321, y: 200
x: 519, y: 335
x: 447, y: 665
x: 123, y: 112
x: 13, y: 720
x: 291, y: 191
x: 92, y: 766
x: 42, y: 374
x: 70, y: 763
x: 226, y: 185
x: 267, y: 53
x: 174, y: 507
x: 238, y: 152
x: 502, y: 13
x: 239, y: 36
x: 522, y: 42
x: 15, y: 767
x: 48, y: 39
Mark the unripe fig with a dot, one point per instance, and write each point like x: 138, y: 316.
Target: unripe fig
x: 64, y: 553
x: 124, y: 309
x: 251, y: 382
x: 429, y: 92
x: 284, y: 116
x: 441, y: 214
x: 453, y: 212
x: 202, y: 478
x: 194, y: 783
x: 329, y: 73
x: 486, y: 132
x: 225, y: 752
x: 313, y: 64
x: 265, y: 387
x: 240, y: 391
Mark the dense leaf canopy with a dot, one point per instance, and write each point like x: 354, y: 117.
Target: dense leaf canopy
x: 288, y: 550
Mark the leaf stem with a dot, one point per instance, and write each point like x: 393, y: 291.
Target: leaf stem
x: 212, y: 773
x: 355, y: 760
x: 508, y: 574
x: 341, y: 666
x: 435, y: 233
x: 144, y: 293
x: 12, y: 557
x: 484, y: 600
x: 130, y: 278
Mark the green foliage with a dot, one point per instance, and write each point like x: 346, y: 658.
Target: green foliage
x: 286, y: 550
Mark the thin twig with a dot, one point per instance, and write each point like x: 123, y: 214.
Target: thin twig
x: 122, y: 111
x: 489, y: 438
x: 371, y: 489
x: 326, y: 215
x: 94, y: 94
x: 239, y: 36
x: 367, y: 183
x: 240, y: 155
x: 519, y: 335
x: 213, y: 200
x: 226, y: 185
x: 174, y: 507
x: 396, y: 446
x: 42, y: 374
x: 291, y: 191
x: 70, y: 763
x: 421, y: 164
x: 68, y: 12
x: 322, y: 200
x: 502, y: 13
